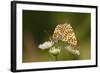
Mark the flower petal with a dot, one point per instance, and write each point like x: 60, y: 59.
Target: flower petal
x: 46, y: 45
x: 73, y: 51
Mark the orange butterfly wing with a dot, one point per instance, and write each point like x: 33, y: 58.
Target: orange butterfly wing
x: 65, y: 32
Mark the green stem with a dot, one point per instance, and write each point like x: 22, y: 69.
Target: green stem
x: 55, y: 57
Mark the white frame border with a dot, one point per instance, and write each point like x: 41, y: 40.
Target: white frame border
x: 20, y: 65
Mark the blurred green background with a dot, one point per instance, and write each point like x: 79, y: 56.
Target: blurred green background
x: 38, y: 26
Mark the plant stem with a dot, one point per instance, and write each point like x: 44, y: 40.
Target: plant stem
x: 55, y: 57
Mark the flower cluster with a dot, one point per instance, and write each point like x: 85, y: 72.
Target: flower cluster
x: 46, y: 45
x: 54, y: 51
x: 73, y: 51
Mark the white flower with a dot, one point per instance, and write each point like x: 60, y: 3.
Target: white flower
x: 46, y: 45
x: 54, y: 51
x: 73, y: 51
x: 77, y: 52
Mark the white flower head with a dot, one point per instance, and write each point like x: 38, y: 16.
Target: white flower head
x: 54, y: 51
x: 77, y: 52
x: 46, y: 45
x: 73, y: 51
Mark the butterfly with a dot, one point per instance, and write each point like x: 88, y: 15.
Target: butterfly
x: 65, y: 33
